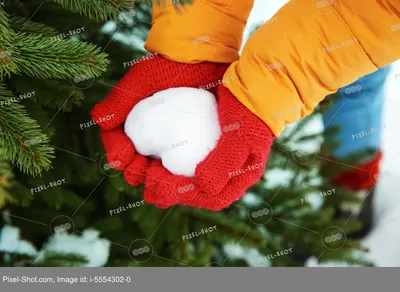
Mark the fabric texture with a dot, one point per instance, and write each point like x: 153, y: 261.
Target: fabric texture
x: 362, y: 177
x: 237, y: 162
x: 206, y: 30
x: 357, y: 110
x: 312, y: 49
x: 143, y: 80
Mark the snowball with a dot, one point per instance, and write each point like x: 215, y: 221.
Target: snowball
x: 178, y: 125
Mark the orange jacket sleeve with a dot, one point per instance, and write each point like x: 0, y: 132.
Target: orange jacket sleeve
x: 207, y: 30
x: 312, y: 48
x: 308, y: 50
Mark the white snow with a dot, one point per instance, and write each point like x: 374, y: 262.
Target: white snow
x: 10, y: 242
x: 96, y: 250
x: 384, y: 240
x: 178, y: 125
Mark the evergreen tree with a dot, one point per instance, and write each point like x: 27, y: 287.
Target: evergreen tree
x: 57, y: 59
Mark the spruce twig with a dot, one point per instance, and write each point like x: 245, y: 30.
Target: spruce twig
x: 48, y: 58
x: 21, y: 137
x: 7, y: 51
x: 23, y: 24
x: 97, y: 10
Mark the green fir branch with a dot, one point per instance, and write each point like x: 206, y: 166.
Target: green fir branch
x: 44, y: 57
x: 6, y: 179
x: 7, y: 51
x: 98, y: 10
x: 24, y: 25
x: 49, y: 93
x: 228, y: 229
x: 63, y: 260
x: 283, y: 156
x: 24, y: 143
x: 11, y: 259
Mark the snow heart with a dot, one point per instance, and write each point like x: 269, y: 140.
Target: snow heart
x: 178, y: 125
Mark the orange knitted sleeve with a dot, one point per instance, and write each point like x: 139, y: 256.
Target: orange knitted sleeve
x: 207, y: 30
x: 312, y: 48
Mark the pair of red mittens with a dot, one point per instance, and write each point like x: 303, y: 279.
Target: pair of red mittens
x: 237, y: 161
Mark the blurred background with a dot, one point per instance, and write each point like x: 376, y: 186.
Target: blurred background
x: 62, y: 205
x: 386, y: 201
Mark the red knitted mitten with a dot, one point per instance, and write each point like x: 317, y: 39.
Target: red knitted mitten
x: 237, y: 162
x: 143, y: 80
x: 364, y: 177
